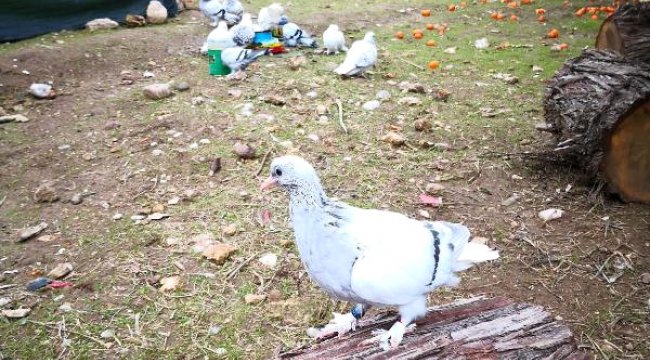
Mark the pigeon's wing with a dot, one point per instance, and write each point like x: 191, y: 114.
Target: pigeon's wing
x: 242, y: 35
x: 238, y: 58
x: 360, y: 57
x: 367, y: 56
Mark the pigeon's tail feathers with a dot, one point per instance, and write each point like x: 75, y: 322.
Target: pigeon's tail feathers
x: 347, y: 68
x: 473, y: 253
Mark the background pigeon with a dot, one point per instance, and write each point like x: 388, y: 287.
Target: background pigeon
x: 270, y: 16
x: 219, y: 38
x: 213, y: 10
x: 238, y: 58
x: 371, y: 257
x: 233, y: 11
x: 361, y: 56
x: 294, y: 36
x: 333, y: 40
x: 243, y: 33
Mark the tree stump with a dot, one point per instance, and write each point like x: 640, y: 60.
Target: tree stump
x: 598, y: 106
x: 479, y: 328
x: 627, y: 32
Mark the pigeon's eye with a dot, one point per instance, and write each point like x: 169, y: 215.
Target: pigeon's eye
x: 277, y: 172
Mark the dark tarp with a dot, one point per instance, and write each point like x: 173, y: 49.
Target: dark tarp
x: 22, y: 19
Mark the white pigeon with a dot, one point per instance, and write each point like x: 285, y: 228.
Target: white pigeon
x: 219, y: 38
x: 213, y: 10
x: 371, y: 257
x: 294, y: 36
x: 361, y: 56
x: 270, y: 16
x: 243, y: 33
x: 333, y: 40
x: 238, y: 58
x: 233, y: 11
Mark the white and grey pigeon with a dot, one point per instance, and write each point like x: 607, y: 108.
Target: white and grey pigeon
x: 238, y: 58
x: 361, y: 56
x: 219, y: 38
x: 233, y: 11
x: 294, y: 36
x: 213, y: 10
x: 271, y: 16
x: 333, y: 40
x: 243, y: 33
x: 371, y: 257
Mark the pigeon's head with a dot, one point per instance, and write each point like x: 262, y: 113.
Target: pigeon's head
x: 291, y: 173
x: 370, y: 37
x: 333, y: 27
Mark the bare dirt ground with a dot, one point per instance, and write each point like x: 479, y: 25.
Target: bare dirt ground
x: 99, y: 137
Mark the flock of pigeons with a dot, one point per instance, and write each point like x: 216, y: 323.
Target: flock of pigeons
x: 235, y: 32
x: 365, y: 256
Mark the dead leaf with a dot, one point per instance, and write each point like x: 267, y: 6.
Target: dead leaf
x: 409, y: 100
x: 296, y: 62
x: 394, y: 138
x: 273, y: 99
x: 230, y: 230
x: 244, y: 151
x: 422, y: 124
x: 251, y: 299
x: 170, y: 283
x: 433, y: 201
x: 219, y: 253
x: 416, y: 88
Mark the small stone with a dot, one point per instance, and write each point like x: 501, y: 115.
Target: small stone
x: 423, y: 213
x: 218, y: 253
x: 42, y: 91
x: 174, y: 200
x: 46, y: 193
x: 4, y: 301
x: 382, y: 95
x: 32, y: 231
x: 65, y: 307
x: 442, y: 146
x: 16, y: 117
x: 550, y: 214
x: 181, y: 86
x: 214, y: 330
x: 148, y: 74
x: 60, y: 271
x: 198, y: 100
x: 230, y: 230
x: 46, y: 238
x: 269, y: 260
x: 156, y: 13
x: 117, y: 216
x: 434, y: 188
x: 171, y: 241
x: 321, y: 109
x: 252, y: 299
x: 107, y: 334
x: 170, y: 283
x: 157, y: 91
x: 645, y: 278
x: 138, y: 217
x: 157, y: 216
x: 76, y: 199
x: 157, y: 152
x: 244, y: 151
x: 102, y: 23
x: 15, y: 313
x: 511, y: 200
x: 371, y: 105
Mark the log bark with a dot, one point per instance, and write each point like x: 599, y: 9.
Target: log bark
x: 597, y: 105
x: 479, y: 328
x: 627, y: 32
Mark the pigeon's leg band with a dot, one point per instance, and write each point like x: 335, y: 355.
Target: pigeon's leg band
x: 359, y: 310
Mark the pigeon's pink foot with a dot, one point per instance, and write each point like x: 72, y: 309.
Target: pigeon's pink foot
x: 341, y: 324
x: 390, y: 339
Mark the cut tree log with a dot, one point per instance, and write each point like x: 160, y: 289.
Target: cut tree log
x: 598, y: 106
x: 479, y: 328
x: 627, y: 32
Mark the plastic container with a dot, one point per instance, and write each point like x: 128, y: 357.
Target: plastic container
x: 263, y: 37
x: 215, y: 65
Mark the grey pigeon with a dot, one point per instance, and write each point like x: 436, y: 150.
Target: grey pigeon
x: 371, y: 257
x: 213, y: 10
x: 361, y: 56
x: 294, y: 36
x: 243, y: 33
x: 238, y: 58
x: 233, y: 11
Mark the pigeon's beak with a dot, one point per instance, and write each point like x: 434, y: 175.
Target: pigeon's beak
x: 268, y: 183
